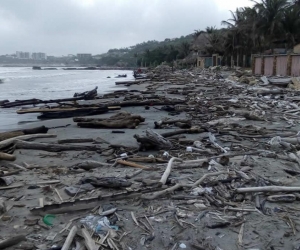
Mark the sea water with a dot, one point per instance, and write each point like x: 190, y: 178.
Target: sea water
x: 20, y: 83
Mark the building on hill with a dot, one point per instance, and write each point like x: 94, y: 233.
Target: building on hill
x: 84, y: 56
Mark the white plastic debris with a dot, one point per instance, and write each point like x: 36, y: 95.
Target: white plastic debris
x: 182, y: 245
x: 151, y: 156
x: 166, y: 154
x: 200, y: 190
x: 189, y: 149
x: 124, y: 155
x: 233, y: 100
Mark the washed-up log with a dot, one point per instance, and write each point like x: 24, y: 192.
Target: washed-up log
x: 84, y: 96
x: 79, y: 140
x: 36, y: 130
x: 52, y: 147
x: 87, y: 95
x: 120, y: 120
x: 8, y: 135
x: 129, y: 123
x: 118, y: 116
x: 153, y: 140
x: 147, y: 159
x: 9, y: 142
x: 179, y: 123
x: 59, y: 109
x: 280, y: 81
x: 3, y: 101
x: 271, y: 92
x: 267, y: 189
x: 130, y: 82
x: 147, y: 102
x: 7, y: 157
x: 108, y: 182
x: 71, y: 113
x: 12, y: 134
x: 12, y: 241
x: 193, y: 130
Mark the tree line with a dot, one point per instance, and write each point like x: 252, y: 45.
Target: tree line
x: 268, y: 24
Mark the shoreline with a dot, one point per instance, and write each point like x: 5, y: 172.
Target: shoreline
x: 186, y: 217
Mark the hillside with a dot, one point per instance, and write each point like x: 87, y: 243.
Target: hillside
x: 146, y: 52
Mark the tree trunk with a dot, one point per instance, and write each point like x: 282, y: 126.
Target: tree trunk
x: 9, y: 142
x: 52, y: 147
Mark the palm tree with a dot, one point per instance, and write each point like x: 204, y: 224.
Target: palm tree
x: 291, y: 24
x: 197, y: 33
x: 271, y: 13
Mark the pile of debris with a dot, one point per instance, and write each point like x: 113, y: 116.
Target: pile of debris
x: 202, y: 167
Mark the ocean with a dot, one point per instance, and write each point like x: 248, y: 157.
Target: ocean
x: 25, y: 83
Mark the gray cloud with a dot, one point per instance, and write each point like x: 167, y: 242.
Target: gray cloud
x: 60, y: 27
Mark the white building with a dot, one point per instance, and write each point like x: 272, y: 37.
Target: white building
x: 23, y: 55
x: 39, y: 56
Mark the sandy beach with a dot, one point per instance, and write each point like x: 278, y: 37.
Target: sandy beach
x: 236, y: 136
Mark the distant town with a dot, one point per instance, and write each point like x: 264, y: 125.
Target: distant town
x: 22, y: 58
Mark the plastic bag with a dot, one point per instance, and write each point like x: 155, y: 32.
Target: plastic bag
x: 98, y: 223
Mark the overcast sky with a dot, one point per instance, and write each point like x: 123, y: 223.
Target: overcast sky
x: 61, y: 27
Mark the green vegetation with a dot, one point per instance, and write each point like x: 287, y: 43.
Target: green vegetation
x: 148, y: 53
x: 267, y: 25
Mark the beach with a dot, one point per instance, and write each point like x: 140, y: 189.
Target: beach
x: 183, y: 191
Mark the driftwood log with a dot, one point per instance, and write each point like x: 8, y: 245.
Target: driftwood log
x: 193, y: 130
x: 7, y: 157
x: 147, y: 103
x: 267, y: 189
x: 182, y: 123
x: 67, y: 113
x: 153, y: 140
x: 9, y: 142
x: 120, y: 120
x: 12, y: 134
x: 89, y: 95
x: 53, y: 147
x: 12, y: 241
